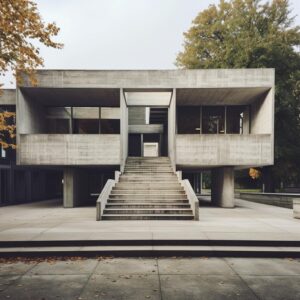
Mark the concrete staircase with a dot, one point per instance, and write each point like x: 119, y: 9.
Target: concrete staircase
x: 148, y: 190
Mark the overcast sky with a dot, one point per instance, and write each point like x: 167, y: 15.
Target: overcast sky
x: 120, y: 34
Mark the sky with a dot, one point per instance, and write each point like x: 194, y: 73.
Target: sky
x: 120, y: 34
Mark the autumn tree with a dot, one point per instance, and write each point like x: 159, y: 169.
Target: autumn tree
x: 21, y: 26
x: 255, y: 34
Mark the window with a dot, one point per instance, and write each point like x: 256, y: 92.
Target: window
x: 234, y: 119
x: 86, y: 120
x: 213, y: 119
x: 59, y: 119
x: 188, y: 120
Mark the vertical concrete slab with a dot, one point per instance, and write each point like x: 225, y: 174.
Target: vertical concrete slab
x: 172, y: 130
x: 75, y: 190
x: 123, y: 130
x: 222, y: 187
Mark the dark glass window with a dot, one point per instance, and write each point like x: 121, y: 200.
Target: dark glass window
x: 188, y: 119
x: 110, y: 126
x: 234, y: 119
x: 86, y: 120
x: 59, y: 120
x: 213, y: 119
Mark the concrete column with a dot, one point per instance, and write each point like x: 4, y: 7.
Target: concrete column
x: 222, y: 187
x: 75, y: 187
x: 172, y: 130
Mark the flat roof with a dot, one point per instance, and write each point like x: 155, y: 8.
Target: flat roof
x: 154, y: 79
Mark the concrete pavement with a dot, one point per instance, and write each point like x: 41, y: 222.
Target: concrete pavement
x: 152, y: 278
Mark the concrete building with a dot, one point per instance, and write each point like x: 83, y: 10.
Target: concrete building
x: 87, y: 124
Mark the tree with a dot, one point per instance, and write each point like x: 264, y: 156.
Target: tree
x: 255, y: 34
x: 7, y: 129
x: 20, y: 26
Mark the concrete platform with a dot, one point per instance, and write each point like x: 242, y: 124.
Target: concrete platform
x: 250, y: 229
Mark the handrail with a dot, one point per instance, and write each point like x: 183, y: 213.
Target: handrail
x: 104, y: 195
x: 193, y: 200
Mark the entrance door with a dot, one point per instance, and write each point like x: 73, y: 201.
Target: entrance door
x: 134, y: 145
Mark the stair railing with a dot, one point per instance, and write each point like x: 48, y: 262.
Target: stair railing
x: 104, y: 195
x: 193, y: 200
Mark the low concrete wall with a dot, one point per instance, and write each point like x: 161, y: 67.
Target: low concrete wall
x: 297, y: 208
x: 223, y: 150
x: 69, y: 149
x: 276, y: 199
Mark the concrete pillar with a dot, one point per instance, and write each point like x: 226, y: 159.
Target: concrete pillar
x: 222, y: 187
x: 75, y: 191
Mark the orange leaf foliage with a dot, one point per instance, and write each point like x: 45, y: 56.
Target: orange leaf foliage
x: 254, y: 173
x: 20, y: 25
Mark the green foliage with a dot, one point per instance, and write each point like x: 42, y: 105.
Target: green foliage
x: 255, y: 34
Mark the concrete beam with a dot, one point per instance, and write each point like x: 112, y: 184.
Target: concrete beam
x: 149, y: 79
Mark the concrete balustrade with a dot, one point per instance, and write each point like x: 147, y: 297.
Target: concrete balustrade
x: 69, y: 149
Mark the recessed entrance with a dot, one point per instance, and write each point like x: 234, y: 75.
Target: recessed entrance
x: 148, y: 131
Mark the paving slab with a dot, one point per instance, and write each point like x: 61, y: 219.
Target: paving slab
x: 127, y: 266
x: 6, y: 281
x: 194, y: 266
x: 274, y: 287
x: 16, y: 268
x: 133, y: 287
x: 50, y: 287
x: 265, y: 266
x: 69, y: 267
x: 208, y: 287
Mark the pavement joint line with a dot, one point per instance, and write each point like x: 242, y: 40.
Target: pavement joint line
x: 159, y: 281
x: 88, y: 278
x: 241, y: 278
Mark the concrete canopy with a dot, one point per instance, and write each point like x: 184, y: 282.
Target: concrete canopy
x: 107, y: 97
x: 220, y: 96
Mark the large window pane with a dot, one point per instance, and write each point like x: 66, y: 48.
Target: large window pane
x: 59, y: 119
x: 86, y: 120
x: 110, y: 126
x: 213, y: 119
x: 234, y: 119
x: 188, y: 119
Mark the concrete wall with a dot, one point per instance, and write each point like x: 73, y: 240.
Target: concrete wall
x: 136, y: 115
x: 154, y: 78
x: 150, y: 128
x: 70, y: 149
x: 123, y: 130
x: 8, y: 97
x: 30, y: 115
x: 262, y: 115
x: 276, y: 199
x: 193, y: 150
x: 172, y: 130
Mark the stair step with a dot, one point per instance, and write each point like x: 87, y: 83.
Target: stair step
x: 151, y: 211
x: 148, y: 197
x: 147, y: 217
x: 147, y: 201
x: 147, y: 205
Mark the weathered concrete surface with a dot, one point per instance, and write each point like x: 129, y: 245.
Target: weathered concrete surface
x: 8, y: 97
x: 172, y: 130
x: 48, y: 220
x: 75, y: 190
x: 213, y: 78
x: 223, y: 150
x: 222, y: 187
x: 155, y: 278
x: 69, y: 149
x: 277, y: 199
x: 296, y: 207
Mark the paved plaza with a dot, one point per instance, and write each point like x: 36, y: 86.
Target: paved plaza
x: 152, y: 278
x: 48, y: 220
